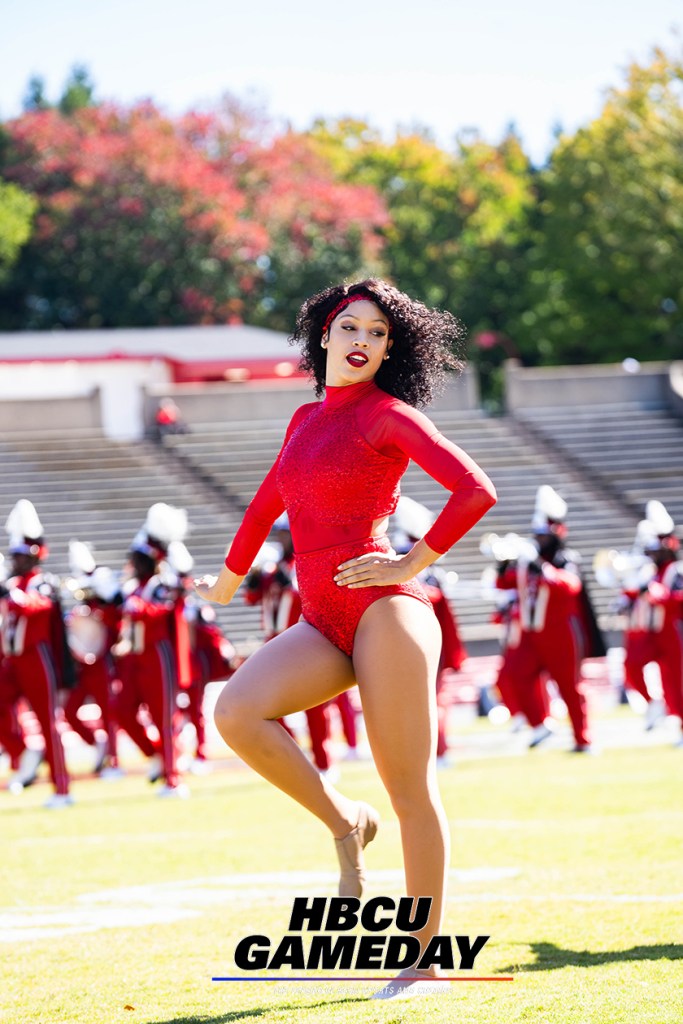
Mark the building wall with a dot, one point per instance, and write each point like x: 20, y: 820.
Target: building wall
x: 546, y: 386
x: 120, y: 395
x: 218, y: 403
x: 45, y: 414
x: 36, y: 390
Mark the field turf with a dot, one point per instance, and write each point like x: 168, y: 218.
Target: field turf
x: 123, y: 907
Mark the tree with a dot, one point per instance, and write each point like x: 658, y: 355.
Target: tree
x: 79, y: 91
x: 135, y: 226
x: 17, y: 209
x: 458, y: 221
x: 320, y: 229
x: 34, y: 98
x: 143, y: 219
x: 605, y: 275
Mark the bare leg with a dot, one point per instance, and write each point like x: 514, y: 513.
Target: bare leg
x: 396, y: 655
x: 296, y: 670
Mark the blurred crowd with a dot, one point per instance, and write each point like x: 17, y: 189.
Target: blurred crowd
x: 136, y: 648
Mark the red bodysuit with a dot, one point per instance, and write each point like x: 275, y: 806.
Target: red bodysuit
x: 338, y: 476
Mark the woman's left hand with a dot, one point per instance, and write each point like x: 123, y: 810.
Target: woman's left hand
x: 374, y: 570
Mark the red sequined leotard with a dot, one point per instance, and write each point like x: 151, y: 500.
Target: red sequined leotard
x: 338, y: 474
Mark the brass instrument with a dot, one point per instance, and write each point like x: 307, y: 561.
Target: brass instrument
x: 622, y: 570
x: 103, y: 584
x: 510, y: 548
x: 86, y: 635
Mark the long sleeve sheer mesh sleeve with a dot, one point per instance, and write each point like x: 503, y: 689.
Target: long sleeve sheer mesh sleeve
x: 402, y: 429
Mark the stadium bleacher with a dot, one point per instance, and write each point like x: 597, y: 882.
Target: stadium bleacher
x: 236, y: 461
x: 633, y: 452
x: 605, y: 463
x: 97, y: 490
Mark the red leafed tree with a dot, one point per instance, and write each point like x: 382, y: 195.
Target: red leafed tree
x: 320, y: 229
x: 210, y: 217
x: 135, y: 224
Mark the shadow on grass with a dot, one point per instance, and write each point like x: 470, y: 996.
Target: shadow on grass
x: 550, y: 957
x: 256, y: 1012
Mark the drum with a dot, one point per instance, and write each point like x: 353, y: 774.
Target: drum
x: 86, y: 636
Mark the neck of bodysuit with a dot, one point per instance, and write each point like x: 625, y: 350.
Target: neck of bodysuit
x: 336, y: 397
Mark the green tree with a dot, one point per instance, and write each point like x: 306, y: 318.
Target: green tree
x: 79, y: 91
x: 34, y: 98
x: 458, y: 221
x: 605, y: 274
x: 17, y: 210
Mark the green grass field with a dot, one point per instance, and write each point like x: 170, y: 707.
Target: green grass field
x: 123, y: 907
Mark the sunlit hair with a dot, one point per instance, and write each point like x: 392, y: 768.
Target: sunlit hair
x: 426, y: 342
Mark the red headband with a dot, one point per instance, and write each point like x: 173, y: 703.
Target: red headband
x: 343, y: 303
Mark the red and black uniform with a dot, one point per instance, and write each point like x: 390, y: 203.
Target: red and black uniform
x: 275, y: 589
x: 653, y: 634
x: 552, y: 641
x: 95, y: 672
x: 212, y: 657
x: 519, y: 695
x: 149, y: 670
x: 641, y: 622
x: 338, y: 476
x: 32, y: 665
x: 453, y: 652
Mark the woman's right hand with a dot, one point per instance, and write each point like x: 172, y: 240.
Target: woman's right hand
x: 220, y: 589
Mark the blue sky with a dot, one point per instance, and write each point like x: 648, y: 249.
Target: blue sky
x: 441, y: 63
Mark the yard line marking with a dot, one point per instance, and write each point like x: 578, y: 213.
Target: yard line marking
x: 166, y: 902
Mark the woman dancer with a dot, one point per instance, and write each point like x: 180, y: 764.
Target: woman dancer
x: 375, y: 353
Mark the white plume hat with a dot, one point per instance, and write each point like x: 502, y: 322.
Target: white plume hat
x: 24, y: 528
x: 105, y: 583
x: 179, y: 558
x: 657, y: 515
x: 164, y: 524
x: 656, y: 525
x: 646, y: 537
x: 549, y: 507
x: 412, y: 517
x: 81, y: 558
x: 268, y: 554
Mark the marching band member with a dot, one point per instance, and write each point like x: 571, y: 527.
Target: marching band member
x: 153, y: 655
x: 657, y: 607
x: 34, y: 657
x: 411, y: 521
x: 526, y: 703
x: 553, y: 636
x: 212, y: 656
x: 92, y: 628
x: 213, y: 659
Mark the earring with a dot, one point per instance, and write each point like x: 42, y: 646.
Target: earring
x: 386, y: 355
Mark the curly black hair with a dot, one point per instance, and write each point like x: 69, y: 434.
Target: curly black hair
x: 426, y: 342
